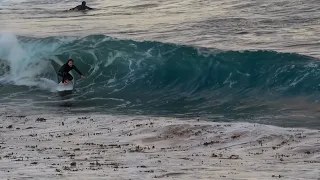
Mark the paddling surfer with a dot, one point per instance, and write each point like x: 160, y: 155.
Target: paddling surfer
x: 81, y: 7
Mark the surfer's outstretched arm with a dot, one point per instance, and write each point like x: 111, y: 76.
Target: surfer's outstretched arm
x: 89, y: 8
x: 75, y: 8
x: 76, y: 69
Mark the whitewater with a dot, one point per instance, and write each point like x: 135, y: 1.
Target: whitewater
x: 196, y: 89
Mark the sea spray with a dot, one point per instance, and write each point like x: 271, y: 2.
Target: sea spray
x: 27, y: 62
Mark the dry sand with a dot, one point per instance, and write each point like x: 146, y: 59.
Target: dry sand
x: 53, y: 146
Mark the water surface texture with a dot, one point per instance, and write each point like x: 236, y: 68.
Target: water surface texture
x: 229, y: 60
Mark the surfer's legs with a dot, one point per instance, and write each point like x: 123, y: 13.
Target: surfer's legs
x: 67, y: 79
x: 66, y: 82
x: 60, y: 74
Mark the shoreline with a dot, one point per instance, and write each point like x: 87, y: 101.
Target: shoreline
x: 49, y: 146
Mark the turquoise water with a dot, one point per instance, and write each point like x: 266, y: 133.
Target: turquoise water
x: 252, y: 61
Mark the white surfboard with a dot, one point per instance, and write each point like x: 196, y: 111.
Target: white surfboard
x: 68, y: 87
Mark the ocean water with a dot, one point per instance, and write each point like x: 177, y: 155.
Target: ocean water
x: 224, y: 60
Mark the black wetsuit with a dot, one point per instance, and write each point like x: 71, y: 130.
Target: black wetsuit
x: 64, y: 72
x: 81, y: 8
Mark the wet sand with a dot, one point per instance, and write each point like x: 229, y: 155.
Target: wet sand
x: 51, y: 146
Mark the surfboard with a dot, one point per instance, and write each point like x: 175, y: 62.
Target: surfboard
x: 62, y: 88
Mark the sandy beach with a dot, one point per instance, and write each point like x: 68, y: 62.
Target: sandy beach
x: 52, y: 146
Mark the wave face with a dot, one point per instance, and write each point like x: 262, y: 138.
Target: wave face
x: 154, y: 77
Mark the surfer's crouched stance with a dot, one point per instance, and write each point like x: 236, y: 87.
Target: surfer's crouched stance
x: 64, y: 72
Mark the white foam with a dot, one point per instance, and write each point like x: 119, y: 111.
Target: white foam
x: 27, y: 62
x: 123, y: 147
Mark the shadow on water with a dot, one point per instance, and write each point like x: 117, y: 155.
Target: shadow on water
x: 66, y: 99
x: 66, y: 104
x: 65, y: 94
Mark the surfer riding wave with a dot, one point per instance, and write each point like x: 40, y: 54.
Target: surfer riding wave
x: 64, y: 72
